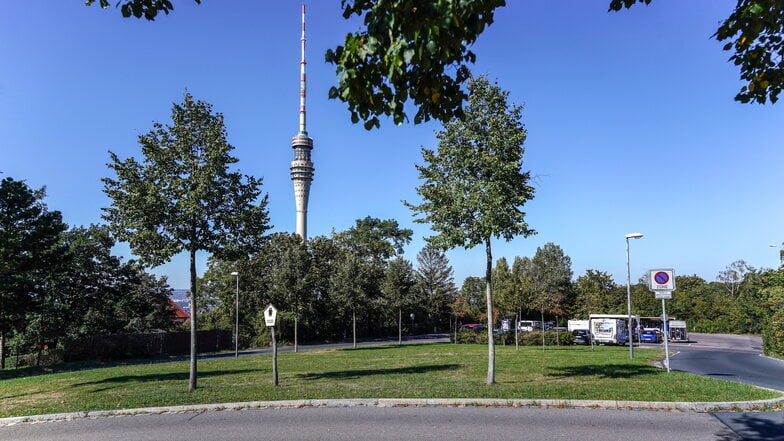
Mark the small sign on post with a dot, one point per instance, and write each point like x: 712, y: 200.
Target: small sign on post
x: 270, y: 315
x: 662, y: 284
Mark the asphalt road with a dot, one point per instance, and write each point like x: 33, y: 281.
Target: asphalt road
x: 379, y: 424
x: 728, y: 357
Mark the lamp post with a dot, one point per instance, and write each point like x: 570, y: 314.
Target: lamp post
x: 236, y: 315
x: 781, y: 252
x: 629, y: 292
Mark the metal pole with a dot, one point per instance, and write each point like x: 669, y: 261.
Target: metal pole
x: 237, y: 319
x: 629, y: 301
x: 274, y: 358
x: 666, y: 338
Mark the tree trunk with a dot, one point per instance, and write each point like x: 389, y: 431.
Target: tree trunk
x: 194, y: 347
x: 399, y: 326
x: 489, y: 292
x: 296, y: 327
x: 2, y: 351
x: 354, y: 327
x: 543, y: 326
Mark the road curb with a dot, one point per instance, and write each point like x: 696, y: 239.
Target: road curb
x: 409, y: 402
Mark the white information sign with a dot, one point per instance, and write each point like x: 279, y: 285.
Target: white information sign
x: 663, y: 294
x: 270, y: 314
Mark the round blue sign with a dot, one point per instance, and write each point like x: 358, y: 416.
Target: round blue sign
x: 661, y: 278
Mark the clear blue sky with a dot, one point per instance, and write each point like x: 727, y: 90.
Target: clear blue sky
x: 630, y: 117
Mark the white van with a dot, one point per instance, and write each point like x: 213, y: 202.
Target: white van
x: 529, y: 325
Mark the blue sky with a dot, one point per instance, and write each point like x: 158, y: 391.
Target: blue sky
x: 630, y: 118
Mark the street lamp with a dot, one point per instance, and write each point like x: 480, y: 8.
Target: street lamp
x: 629, y: 292
x: 781, y: 252
x: 236, y: 316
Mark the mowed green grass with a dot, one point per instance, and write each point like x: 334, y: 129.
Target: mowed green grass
x: 408, y: 371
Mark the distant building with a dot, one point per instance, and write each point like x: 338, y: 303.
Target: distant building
x: 180, y: 316
x: 180, y: 298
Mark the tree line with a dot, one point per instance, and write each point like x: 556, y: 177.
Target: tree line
x: 61, y: 283
x: 742, y: 299
x: 350, y: 285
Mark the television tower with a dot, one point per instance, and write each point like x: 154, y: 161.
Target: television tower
x: 301, y: 166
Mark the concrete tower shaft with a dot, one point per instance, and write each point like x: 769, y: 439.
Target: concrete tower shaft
x: 302, y: 167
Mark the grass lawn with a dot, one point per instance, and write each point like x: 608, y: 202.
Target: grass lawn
x: 408, y: 371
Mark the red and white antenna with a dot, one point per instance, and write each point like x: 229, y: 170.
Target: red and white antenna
x: 302, y: 87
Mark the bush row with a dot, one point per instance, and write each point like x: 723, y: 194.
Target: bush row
x: 551, y: 338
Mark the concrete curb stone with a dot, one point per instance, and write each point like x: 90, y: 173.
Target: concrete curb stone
x: 408, y: 402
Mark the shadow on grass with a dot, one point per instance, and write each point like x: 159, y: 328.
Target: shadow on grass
x: 605, y: 371
x: 170, y: 376
x: 353, y: 374
x: 32, y: 371
x: 386, y: 346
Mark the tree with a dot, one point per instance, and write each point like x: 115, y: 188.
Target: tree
x: 474, y: 186
x: 183, y: 197
x: 552, y: 279
x: 593, y: 291
x: 435, y: 282
x: 349, y: 287
x: 732, y: 276
x: 755, y: 31
x: 29, y: 245
x: 504, y: 286
x: 366, y: 248
x: 291, y: 278
x: 407, y: 50
x: 397, y: 288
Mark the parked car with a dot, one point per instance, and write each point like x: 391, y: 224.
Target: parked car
x: 581, y: 336
x: 650, y: 336
x: 472, y: 327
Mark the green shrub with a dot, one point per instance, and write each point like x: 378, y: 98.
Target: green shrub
x: 551, y: 338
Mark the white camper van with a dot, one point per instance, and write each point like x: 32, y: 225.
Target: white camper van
x: 608, y: 329
x: 529, y: 325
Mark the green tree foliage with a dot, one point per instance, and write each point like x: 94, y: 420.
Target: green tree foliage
x: 148, y: 9
x: 290, y: 279
x: 470, y: 301
x: 352, y: 288
x: 552, y: 279
x: 408, y: 50
x: 474, y: 186
x: 435, y: 284
x: 88, y: 291
x: 398, y: 289
x: 182, y: 197
x: 365, y: 249
x: 593, y: 294
x: 503, y: 287
x: 732, y: 276
x: 755, y: 32
x: 29, y: 246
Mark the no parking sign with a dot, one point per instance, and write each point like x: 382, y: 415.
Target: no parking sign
x: 662, y: 280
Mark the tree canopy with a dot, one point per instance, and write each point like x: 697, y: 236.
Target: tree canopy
x: 182, y: 197
x: 754, y: 31
x: 29, y: 244
x: 473, y: 186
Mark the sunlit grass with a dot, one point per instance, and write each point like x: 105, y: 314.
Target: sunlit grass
x: 409, y: 371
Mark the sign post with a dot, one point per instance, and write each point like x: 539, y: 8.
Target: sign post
x: 270, y: 315
x: 663, y: 284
